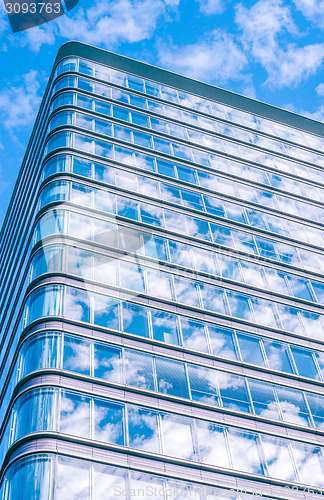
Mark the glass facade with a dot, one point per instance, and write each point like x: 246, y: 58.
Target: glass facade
x: 162, y: 293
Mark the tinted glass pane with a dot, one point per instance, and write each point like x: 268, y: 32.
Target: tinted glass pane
x: 135, y: 319
x: 73, y: 479
x: 203, y: 385
x: 316, y: 405
x: 222, y: 342
x: 75, y: 415
x: 143, y: 430
x: 108, y: 422
x: 76, y: 355
x: 165, y: 327
x: 139, y: 370
x: 77, y: 304
x: 194, y: 334
x: 212, y: 444
x: 106, y: 312
x: 177, y: 437
x: 171, y: 377
x: 278, y: 356
x: 233, y: 392
x: 108, y: 362
x: 264, y: 399
x: 250, y: 349
x: 305, y: 362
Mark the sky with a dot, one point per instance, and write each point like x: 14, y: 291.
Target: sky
x: 269, y: 50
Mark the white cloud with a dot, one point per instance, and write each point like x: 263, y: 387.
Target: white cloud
x: 19, y: 104
x: 210, y: 7
x: 217, y: 59
x: 109, y: 22
x: 320, y: 89
x: 286, y: 63
x: 312, y: 10
x: 39, y: 35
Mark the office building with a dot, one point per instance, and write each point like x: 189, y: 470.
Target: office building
x: 162, y: 293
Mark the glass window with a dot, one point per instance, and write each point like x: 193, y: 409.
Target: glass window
x: 293, y: 406
x: 50, y: 223
x: 75, y: 414
x: 41, y: 352
x: 240, y: 306
x: 80, y: 226
x: 250, y: 348
x: 106, y: 312
x: 108, y: 422
x: 76, y: 355
x: 139, y: 370
x: 103, y: 107
x: 233, y: 392
x: 31, y: 477
x: 143, y: 431
x: 305, y: 362
x: 316, y: 405
x: 142, y: 139
x: 105, y: 233
x: 81, y: 194
x: 46, y: 301
x: 56, y: 165
x: 127, y: 208
x: 203, y: 385
x: 135, y: 319
x: 278, y: 356
x: 120, y: 113
x: 105, y: 269
x: 56, y: 191
x: 193, y: 334
x: 108, y: 481
x: 222, y: 342
x: 264, y: 399
x: 108, y: 362
x: 186, y: 291
x: 132, y: 277
x: 81, y: 167
x: 140, y: 119
x: 47, y: 260
x: 197, y: 228
x: 177, y: 435
x: 309, y: 461
x: 80, y: 262
x: 36, y: 411
x: 77, y: 304
x: 171, y: 377
x: 186, y: 174
x: 73, y: 479
x: 212, y: 444
x: 165, y: 327
x: 165, y: 168
x: 86, y: 67
x: 160, y: 284
x: 246, y: 452
x: 84, y: 101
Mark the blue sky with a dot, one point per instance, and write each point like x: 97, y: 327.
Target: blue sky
x: 270, y: 50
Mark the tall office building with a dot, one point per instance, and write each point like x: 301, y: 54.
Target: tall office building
x: 162, y: 293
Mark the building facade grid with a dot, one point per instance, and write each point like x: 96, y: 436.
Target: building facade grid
x: 165, y: 337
